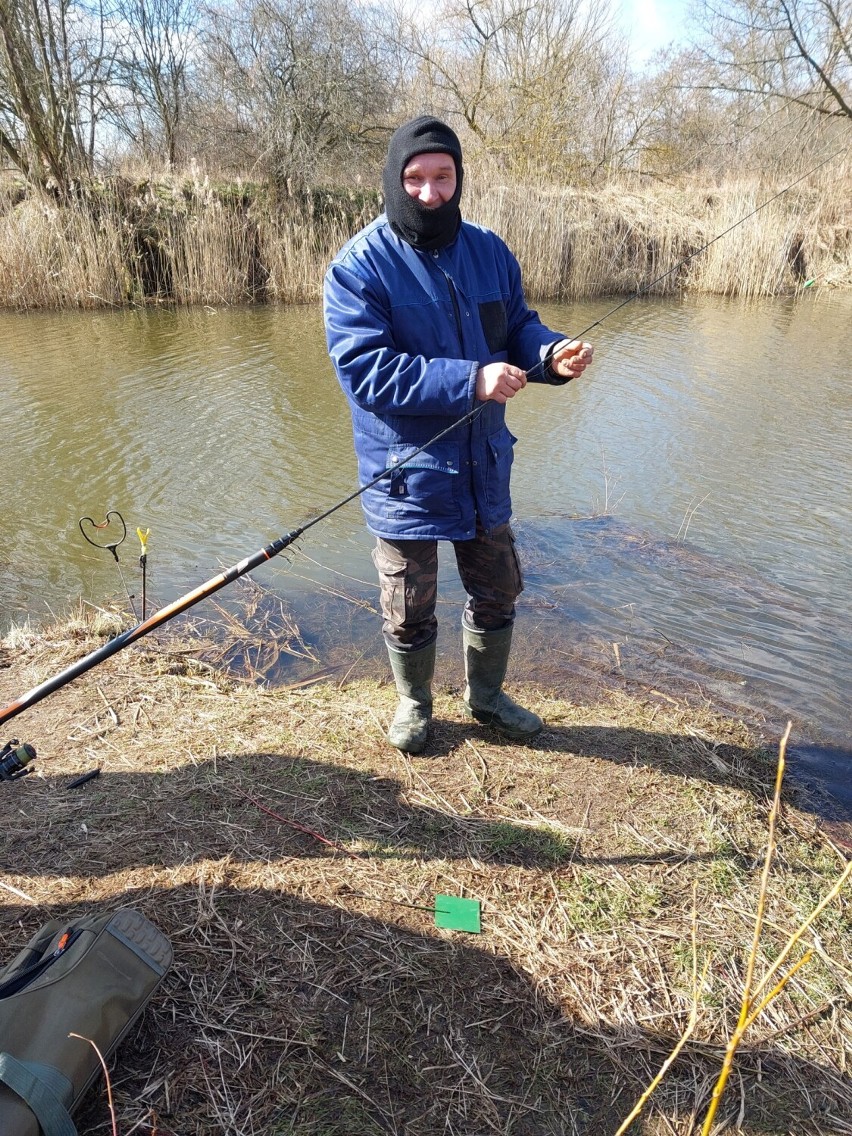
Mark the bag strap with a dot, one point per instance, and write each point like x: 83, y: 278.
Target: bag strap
x: 40, y: 1087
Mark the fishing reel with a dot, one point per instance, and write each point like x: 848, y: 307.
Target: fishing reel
x: 14, y: 759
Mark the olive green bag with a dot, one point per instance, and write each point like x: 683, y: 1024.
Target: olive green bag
x: 90, y: 977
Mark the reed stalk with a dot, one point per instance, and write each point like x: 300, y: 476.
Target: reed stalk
x: 752, y: 1004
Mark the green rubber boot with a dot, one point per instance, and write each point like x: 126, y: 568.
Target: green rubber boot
x: 486, y: 656
x: 412, y: 673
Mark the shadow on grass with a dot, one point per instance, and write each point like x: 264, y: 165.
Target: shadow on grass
x: 690, y: 756
x: 288, y: 1017
x: 310, y: 998
x: 272, y: 805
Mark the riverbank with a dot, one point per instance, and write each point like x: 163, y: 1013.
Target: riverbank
x: 187, y: 240
x: 292, y: 858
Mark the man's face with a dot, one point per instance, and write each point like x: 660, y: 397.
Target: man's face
x: 430, y: 179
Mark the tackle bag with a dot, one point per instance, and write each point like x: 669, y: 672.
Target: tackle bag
x: 90, y: 976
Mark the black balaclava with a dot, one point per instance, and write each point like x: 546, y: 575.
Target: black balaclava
x: 421, y: 227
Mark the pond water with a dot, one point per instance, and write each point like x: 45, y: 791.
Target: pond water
x: 683, y: 510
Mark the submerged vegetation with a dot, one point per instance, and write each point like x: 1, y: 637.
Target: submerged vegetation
x: 292, y: 857
x: 190, y: 241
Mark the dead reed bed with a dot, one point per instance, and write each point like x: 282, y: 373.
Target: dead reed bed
x: 186, y: 240
x: 170, y: 240
x: 60, y: 258
x: 294, y: 860
x: 616, y: 240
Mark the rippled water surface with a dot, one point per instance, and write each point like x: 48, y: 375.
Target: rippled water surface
x: 686, y: 503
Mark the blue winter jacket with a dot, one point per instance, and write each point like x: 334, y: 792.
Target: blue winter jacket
x: 407, y: 331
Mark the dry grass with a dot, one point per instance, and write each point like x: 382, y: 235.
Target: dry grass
x: 60, y: 258
x: 311, y: 994
x: 182, y: 240
x: 174, y: 239
x: 618, y: 239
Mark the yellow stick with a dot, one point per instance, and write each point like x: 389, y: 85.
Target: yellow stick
x: 747, y: 999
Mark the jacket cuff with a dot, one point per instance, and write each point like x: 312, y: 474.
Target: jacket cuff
x: 474, y: 369
x: 542, y: 373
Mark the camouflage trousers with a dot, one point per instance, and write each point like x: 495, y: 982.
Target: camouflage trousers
x: 408, y: 574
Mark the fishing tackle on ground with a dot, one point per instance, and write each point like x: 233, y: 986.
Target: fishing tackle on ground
x: 15, y: 757
x: 125, y: 638
x: 78, y: 781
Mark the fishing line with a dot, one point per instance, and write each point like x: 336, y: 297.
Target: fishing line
x: 647, y: 287
x: 213, y: 585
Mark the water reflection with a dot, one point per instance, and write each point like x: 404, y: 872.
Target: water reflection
x: 687, y: 500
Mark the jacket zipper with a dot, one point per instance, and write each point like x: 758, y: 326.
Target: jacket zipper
x: 457, y: 313
x: 456, y: 310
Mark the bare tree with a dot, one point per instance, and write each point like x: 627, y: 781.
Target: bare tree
x: 295, y: 86
x: 158, y: 39
x: 798, y: 51
x: 523, y: 75
x: 53, y: 68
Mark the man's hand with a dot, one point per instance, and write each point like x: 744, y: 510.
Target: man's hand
x: 499, y: 381
x: 570, y: 358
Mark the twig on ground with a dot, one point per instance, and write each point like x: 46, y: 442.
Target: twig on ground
x: 106, y: 1076
x: 299, y: 827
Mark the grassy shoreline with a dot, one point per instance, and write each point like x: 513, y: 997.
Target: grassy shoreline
x: 312, y: 995
x: 187, y: 240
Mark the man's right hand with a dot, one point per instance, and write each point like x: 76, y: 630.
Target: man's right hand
x: 499, y: 382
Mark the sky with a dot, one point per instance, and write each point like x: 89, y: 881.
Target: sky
x: 652, y: 24
x: 648, y: 24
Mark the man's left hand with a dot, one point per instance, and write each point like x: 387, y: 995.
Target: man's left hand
x: 570, y: 358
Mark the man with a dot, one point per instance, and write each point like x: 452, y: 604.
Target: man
x: 426, y: 322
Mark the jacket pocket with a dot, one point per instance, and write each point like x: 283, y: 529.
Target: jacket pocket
x: 424, y: 485
x: 500, y: 455
x: 495, y: 326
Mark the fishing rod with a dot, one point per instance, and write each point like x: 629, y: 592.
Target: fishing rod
x: 209, y: 588
x: 215, y: 583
